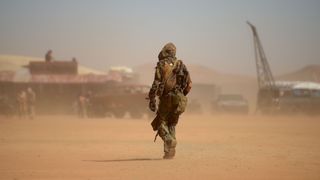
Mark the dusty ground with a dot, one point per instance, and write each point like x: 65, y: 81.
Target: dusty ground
x: 222, y: 147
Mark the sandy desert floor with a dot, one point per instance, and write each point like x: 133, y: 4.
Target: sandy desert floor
x: 218, y: 147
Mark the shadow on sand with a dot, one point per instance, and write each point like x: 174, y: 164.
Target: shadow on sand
x: 125, y: 160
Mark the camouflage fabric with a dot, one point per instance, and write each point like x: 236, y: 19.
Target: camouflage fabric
x: 171, y: 84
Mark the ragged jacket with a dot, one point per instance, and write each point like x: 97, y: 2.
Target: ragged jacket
x: 170, y: 74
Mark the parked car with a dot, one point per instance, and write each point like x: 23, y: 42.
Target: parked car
x: 231, y: 104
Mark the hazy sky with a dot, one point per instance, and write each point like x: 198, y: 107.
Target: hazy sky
x: 102, y: 33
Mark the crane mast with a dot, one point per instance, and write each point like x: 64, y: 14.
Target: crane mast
x: 266, y: 84
x: 264, y: 75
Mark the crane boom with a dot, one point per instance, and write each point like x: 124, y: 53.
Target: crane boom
x: 264, y: 74
x: 267, y: 93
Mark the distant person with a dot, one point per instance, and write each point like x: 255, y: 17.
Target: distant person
x: 48, y: 56
x: 89, y: 96
x: 82, y: 106
x: 31, y: 99
x: 22, y: 104
x: 171, y: 84
x: 74, y: 60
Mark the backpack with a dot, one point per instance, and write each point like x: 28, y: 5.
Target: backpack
x: 179, y: 100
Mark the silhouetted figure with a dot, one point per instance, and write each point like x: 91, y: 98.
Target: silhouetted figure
x: 82, y: 106
x: 22, y: 104
x: 31, y: 99
x: 48, y: 56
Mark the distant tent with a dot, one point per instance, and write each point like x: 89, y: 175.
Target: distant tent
x: 307, y: 85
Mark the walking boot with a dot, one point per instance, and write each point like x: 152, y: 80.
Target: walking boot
x: 170, y: 150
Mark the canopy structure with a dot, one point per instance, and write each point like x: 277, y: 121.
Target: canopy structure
x: 307, y: 85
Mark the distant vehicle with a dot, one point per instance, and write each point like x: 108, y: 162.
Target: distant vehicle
x: 231, y: 103
x: 194, y: 107
x: 302, y: 98
x: 121, y: 100
x: 201, y: 96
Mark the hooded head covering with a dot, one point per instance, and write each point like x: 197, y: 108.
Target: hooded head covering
x: 169, y: 50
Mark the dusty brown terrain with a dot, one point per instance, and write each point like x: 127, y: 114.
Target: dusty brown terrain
x: 221, y: 147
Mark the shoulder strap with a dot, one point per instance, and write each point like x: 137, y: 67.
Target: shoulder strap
x: 171, y: 73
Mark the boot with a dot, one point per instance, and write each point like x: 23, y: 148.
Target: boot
x: 170, y: 149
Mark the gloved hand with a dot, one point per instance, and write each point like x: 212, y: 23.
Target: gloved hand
x: 152, y: 105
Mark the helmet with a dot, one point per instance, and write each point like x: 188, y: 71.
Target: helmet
x: 169, y: 50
